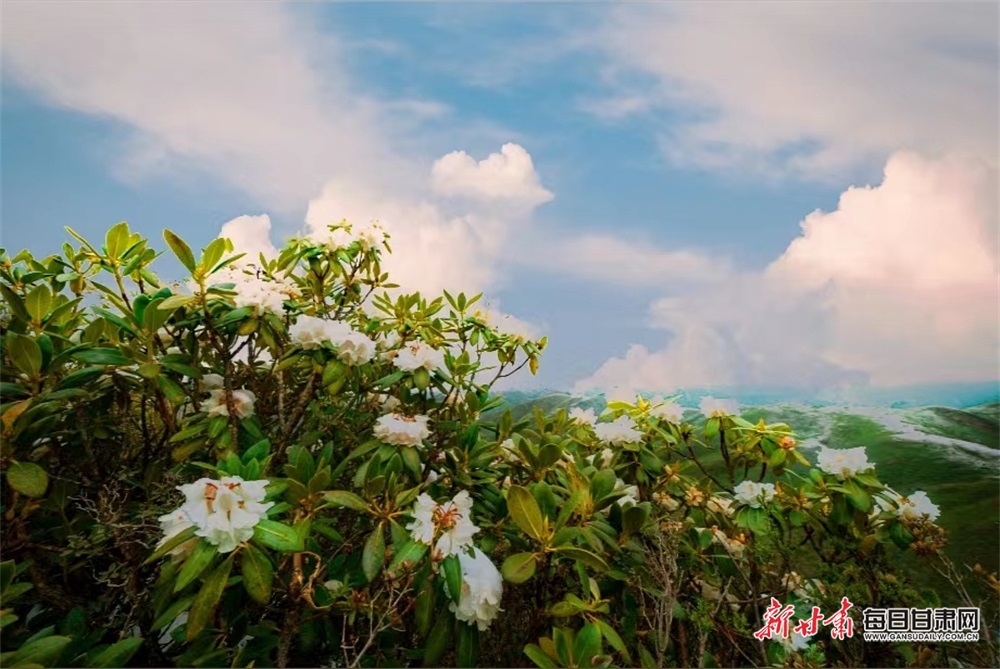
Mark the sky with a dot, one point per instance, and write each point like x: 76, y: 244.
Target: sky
x: 676, y: 194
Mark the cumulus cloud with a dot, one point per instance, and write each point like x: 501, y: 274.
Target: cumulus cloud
x: 259, y: 99
x: 200, y: 86
x: 900, y: 284
x: 507, y: 176
x: 611, y: 259
x: 250, y: 235
x: 794, y: 89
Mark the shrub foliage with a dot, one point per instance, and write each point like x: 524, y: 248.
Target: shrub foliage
x: 292, y: 462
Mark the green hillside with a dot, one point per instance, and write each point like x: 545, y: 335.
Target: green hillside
x: 951, y: 454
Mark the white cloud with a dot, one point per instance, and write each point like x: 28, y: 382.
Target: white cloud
x: 259, y: 99
x: 250, y: 235
x: 611, y: 259
x: 235, y: 92
x: 900, y: 284
x: 507, y: 176
x: 805, y: 90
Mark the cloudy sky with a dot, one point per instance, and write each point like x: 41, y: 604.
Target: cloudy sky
x: 678, y: 195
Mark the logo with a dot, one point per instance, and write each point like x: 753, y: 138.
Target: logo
x: 879, y: 625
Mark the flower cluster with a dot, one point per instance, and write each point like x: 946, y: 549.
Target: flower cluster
x: 482, y: 589
x: 843, y: 463
x: 353, y: 348
x: 399, y: 430
x: 583, y: 416
x: 418, y: 355
x: 712, y: 407
x: 217, y: 405
x: 224, y: 511
x: 449, y: 529
x: 754, y: 494
x: 620, y: 431
x: 631, y: 496
x: 911, y: 507
x: 672, y: 412
x: 369, y: 235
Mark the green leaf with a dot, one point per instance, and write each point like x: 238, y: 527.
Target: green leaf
x: 438, y: 641
x: 519, y: 567
x: 409, y: 554
x: 858, y: 497
x: 602, y: 484
x: 28, y: 479
x: 258, y: 574
x: 181, y: 250
x: 207, y: 598
x: 174, y: 610
x: 171, y: 544
x: 586, y: 557
x: 467, y: 647
x: 900, y: 535
x: 278, y: 536
x: 25, y: 354
x: 44, y: 652
x: 614, y: 640
x: 526, y: 513
x: 777, y: 458
x: 588, y: 644
x: 346, y: 499
x: 634, y: 517
x: 175, y: 301
x: 38, y: 302
x: 117, y: 654
x: 453, y: 577
x: 15, y: 302
x: 196, y: 563
x: 102, y: 356
x: 373, y: 555
x: 538, y: 656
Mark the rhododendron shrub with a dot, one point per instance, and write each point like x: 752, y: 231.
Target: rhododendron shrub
x: 293, y: 462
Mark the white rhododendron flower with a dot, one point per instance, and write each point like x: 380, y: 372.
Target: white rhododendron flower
x: 607, y: 455
x: 224, y: 511
x: 353, y: 347
x: 173, y: 524
x: 509, y: 451
x: 258, y: 294
x: 583, y: 416
x: 753, y: 493
x: 450, y: 522
x: 717, y: 408
x: 216, y: 404
x: 399, y: 430
x: 369, y: 235
x: 843, y: 462
x: 308, y: 331
x: 733, y: 546
x: 720, y: 505
x: 482, y: 589
x: 795, y: 641
x: 631, y: 497
x: 213, y: 381
x: 666, y: 501
x: 418, y: 355
x: 910, y: 507
x: 619, y: 431
x: 672, y: 412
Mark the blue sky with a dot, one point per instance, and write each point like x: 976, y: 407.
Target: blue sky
x: 646, y: 210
